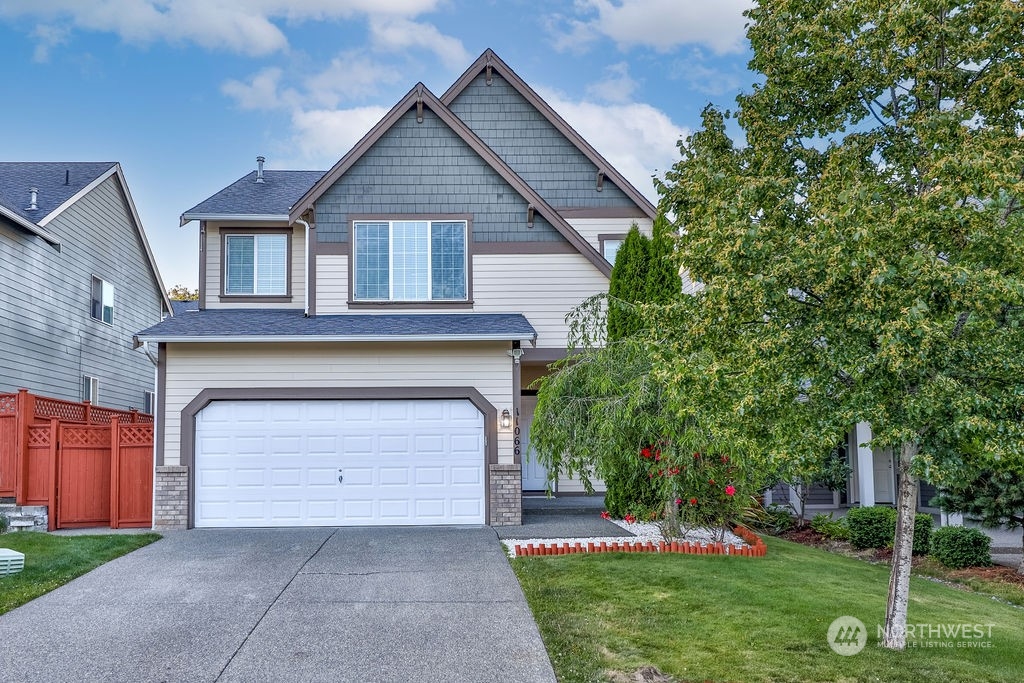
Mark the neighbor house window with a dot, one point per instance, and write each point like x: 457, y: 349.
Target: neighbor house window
x: 102, y: 301
x: 410, y: 260
x: 90, y: 389
x: 256, y: 265
x: 148, y: 402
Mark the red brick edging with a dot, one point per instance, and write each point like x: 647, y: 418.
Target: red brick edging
x: 754, y: 547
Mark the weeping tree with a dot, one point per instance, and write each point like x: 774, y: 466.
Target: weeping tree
x: 857, y: 228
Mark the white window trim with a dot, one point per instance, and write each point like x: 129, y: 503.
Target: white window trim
x: 256, y: 264
x: 102, y: 307
x: 93, y: 395
x: 430, y: 257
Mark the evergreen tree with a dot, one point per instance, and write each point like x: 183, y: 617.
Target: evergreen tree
x: 994, y: 497
x: 628, y: 285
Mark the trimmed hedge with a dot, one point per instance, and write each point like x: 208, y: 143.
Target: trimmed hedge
x: 871, y: 527
x: 958, y: 547
x: 875, y: 527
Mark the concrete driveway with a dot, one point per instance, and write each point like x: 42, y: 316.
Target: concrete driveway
x: 384, y: 604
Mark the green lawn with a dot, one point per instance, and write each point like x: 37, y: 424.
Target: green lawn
x: 751, y: 619
x: 52, y: 561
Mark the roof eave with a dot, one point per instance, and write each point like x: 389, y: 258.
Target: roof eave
x: 28, y: 225
x: 337, y: 338
x: 247, y: 217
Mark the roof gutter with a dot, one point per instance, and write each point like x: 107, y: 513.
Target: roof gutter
x: 250, y: 217
x: 375, y: 338
x: 49, y: 238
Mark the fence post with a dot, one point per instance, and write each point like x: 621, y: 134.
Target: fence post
x: 24, y: 411
x: 88, y: 412
x: 115, y: 465
x: 53, y: 461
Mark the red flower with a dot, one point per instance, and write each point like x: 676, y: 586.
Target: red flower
x: 679, y: 501
x: 645, y: 452
x: 730, y: 490
x: 696, y: 456
x: 605, y: 515
x: 693, y: 501
x: 725, y: 458
x: 675, y: 470
x: 657, y: 455
x: 711, y: 481
x: 629, y: 519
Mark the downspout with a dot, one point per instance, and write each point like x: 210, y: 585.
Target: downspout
x: 306, y: 268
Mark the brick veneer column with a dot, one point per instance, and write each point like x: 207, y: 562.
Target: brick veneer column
x: 170, y: 508
x: 506, y: 493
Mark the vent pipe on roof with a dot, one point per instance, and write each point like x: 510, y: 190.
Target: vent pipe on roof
x: 67, y: 176
x: 260, y: 160
x: 33, y: 194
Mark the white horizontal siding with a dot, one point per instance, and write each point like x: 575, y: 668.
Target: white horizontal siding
x: 590, y: 228
x: 214, y: 268
x: 331, y: 284
x: 543, y: 287
x: 194, y: 367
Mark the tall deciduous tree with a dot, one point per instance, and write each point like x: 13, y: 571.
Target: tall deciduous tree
x: 862, y: 250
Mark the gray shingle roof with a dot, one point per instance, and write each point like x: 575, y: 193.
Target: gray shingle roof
x: 245, y: 197
x: 275, y: 324
x: 16, y: 177
x: 180, y: 307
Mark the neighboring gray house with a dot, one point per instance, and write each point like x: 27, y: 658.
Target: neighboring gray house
x: 365, y: 336
x: 77, y: 280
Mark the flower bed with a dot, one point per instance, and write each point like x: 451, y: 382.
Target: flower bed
x: 742, y: 542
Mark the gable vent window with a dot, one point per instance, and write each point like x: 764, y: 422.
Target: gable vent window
x: 90, y: 389
x: 256, y: 265
x: 102, y: 301
x: 410, y: 261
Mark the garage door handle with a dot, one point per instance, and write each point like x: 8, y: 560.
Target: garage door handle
x: 341, y: 477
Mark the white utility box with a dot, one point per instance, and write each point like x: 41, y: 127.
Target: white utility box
x: 11, y: 561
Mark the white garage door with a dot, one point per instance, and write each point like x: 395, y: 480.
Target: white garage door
x: 339, y: 463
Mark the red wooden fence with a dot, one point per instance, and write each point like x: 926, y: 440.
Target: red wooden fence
x: 91, y: 466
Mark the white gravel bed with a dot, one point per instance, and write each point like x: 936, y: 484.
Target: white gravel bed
x: 642, y: 532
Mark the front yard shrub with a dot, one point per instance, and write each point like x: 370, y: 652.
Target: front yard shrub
x: 958, y: 547
x: 871, y: 527
x: 834, y: 529
x: 774, y: 519
x: 922, y: 533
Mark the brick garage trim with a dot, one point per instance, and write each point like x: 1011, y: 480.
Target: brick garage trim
x: 170, y: 497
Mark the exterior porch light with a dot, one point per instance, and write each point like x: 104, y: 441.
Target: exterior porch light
x: 506, y: 420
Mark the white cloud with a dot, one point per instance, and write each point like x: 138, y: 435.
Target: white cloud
x: 398, y: 34
x: 322, y: 136
x: 617, y: 85
x: 47, y: 37
x: 243, y: 26
x: 637, y: 139
x: 660, y: 24
x: 349, y: 76
x: 260, y: 91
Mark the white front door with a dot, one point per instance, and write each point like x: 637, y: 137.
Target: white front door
x: 339, y: 463
x: 535, y: 475
x: 883, y: 474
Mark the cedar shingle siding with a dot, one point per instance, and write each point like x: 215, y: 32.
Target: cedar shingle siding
x: 425, y: 168
x: 534, y: 148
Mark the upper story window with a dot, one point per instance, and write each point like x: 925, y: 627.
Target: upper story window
x: 256, y: 265
x: 610, y: 247
x: 416, y: 260
x: 102, y: 301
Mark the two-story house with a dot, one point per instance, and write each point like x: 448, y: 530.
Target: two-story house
x: 364, y: 335
x: 77, y: 280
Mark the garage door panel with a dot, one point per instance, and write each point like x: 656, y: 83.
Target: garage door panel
x: 276, y: 463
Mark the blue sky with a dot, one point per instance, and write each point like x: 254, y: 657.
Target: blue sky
x: 186, y: 93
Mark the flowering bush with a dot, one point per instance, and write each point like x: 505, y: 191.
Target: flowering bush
x: 702, y: 490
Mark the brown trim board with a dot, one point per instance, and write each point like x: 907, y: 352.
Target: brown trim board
x: 187, y: 456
